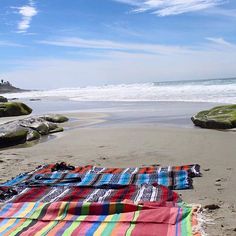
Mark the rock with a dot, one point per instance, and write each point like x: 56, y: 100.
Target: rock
x: 3, y: 99
x: 221, y: 117
x: 36, y: 123
x: 14, y: 109
x: 212, y: 207
x: 28, y: 129
x: 34, y: 99
x: 32, y: 135
x: 12, y: 134
x: 58, y: 129
x: 55, y: 118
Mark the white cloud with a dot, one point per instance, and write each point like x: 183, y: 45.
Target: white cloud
x: 221, y: 41
x: 116, y: 46
x: 27, y: 12
x: 171, y: 7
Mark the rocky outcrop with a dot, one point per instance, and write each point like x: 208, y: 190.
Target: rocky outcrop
x: 221, y: 117
x: 7, y: 87
x: 14, y: 109
x: 55, y: 118
x: 25, y: 130
x: 3, y: 99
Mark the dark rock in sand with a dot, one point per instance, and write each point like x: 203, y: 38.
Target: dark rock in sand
x: 12, y: 134
x: 221, y: 117
x: 3, y: 99
x: 55, y: 118
x: 14, y: 109
x: 212, y: 207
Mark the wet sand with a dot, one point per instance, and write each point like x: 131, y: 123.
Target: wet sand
x: 86, y: 142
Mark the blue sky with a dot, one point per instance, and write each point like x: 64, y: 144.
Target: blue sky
x: 58, y: 43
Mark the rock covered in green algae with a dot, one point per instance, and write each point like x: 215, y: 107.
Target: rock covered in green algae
x: 220, y: 117
x: 3, y: 99
x: 55, y: 118
x: 12, y: 134
x: 14, y: 109
x: 28, y: 129
x: 32, y: 135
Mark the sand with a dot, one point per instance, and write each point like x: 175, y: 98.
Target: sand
x: 86, y: 142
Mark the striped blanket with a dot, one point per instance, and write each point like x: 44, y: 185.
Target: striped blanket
x: 137, y: 194
x: 76, y: 218
x: 193, y: 169
x: 178, y: 177
x: 172, y: 180
x: 91, y: 200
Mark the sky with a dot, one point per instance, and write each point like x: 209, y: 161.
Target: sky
x: 67, y: 43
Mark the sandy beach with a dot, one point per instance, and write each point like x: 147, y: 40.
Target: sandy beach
x: 87, y: 140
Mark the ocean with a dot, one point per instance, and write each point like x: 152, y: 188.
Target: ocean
x: 215, y: 91
x: 164, y: 103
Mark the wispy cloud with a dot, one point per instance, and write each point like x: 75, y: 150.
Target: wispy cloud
x: 220, y: 41
x: 9, y: 44
x: 171, y: 7
x: 116, y: 46
x: 27, y: 12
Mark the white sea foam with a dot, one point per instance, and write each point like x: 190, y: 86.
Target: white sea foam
x: 219, y: 91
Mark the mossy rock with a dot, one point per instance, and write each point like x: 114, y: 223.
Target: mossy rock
x: 221, y: 117
x: 3, y: 99
x: 33, y: 135
x: 55, y: 118
x: 56, y: 130
x: 14, y: 109
x: 11, y: 134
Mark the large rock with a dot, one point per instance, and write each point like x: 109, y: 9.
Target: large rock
x: 221, y: 117
x: 14, y: 109
x: 28, y: 129
x: 12, y: 134
x: 39, y: 124
x: 55, y: 118
x: 35, y: 123
x: 3, y: 99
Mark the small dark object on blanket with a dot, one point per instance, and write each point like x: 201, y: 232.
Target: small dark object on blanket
x: 6, y: 193
x: 62, y: 166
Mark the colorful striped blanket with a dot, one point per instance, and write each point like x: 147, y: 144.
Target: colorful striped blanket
x: 193, y: 169
x: 171, y: 177
x: 91, y: 200
x: 114, y: 218
x: 137, y: 194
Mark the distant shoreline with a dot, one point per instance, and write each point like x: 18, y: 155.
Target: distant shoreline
x: 7, y: 87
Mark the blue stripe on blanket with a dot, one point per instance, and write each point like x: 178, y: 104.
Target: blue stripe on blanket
x: 175, y: 180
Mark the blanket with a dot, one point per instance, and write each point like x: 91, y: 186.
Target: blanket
x: 192, y: 169
x: 172, y: 177
x: 76, y: 218
x: 145, y: 193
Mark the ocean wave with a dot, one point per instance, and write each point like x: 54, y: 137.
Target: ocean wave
x: 205, y: 91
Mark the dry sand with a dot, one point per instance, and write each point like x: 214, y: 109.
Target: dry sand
x: 137, y: 145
